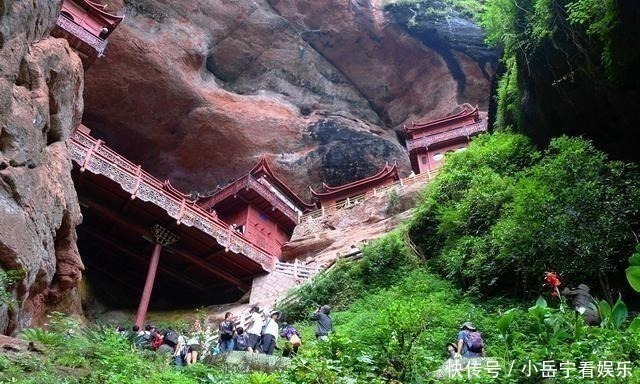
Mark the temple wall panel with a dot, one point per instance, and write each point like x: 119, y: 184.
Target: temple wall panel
x: 264, y: 232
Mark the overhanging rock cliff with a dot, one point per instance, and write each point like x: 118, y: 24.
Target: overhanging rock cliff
x: 40, y: 103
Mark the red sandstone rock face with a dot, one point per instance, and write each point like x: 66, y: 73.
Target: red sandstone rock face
x: 197, y: 91
x: 40, y: 102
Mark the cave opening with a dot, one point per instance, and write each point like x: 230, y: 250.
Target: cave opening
x: 116, y: 241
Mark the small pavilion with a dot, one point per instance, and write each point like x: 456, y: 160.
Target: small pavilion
x: 429, y: 141
x: 86, y: 25
x: 349, y: 193
x: 259, y: 206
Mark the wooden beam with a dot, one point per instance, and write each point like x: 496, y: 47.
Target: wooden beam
x: 211, y: 258
x: 204, y: 265
x: 134, y: 228
x: 111, y: 242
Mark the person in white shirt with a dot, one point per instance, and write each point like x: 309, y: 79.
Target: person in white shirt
x: 270, y: 334
x: 254, y: 330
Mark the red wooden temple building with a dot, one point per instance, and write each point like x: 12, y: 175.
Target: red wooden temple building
x: 259, y: 206
x: 429, y: 141
x: 86, y: 25
x: 140, y: 235
x: 349, y: 193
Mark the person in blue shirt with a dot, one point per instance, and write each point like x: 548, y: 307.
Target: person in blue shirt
x: 470, y: 343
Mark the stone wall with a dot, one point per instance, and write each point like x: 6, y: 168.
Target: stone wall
x: 267, y: 288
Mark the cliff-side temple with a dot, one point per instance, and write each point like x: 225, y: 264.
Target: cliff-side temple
x: 429, y: 141
x: 142, y: 238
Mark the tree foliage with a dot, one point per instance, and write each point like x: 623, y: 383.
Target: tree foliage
x: 502, y: 213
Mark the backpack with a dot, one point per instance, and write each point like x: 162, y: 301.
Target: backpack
x: 171, y: 338
x: 295, y: 340
x: 474, y: 342
x: 241, y: 342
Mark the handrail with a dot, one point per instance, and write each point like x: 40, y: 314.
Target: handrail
x: 296, y: 270
x: 81, y: 33
x: 99, y: 159
x: 347, y: 203
x: 466, y: 130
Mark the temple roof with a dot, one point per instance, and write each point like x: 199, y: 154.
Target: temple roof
x: 263, y: 168
x: 464, y: 113
x: 368, y: 182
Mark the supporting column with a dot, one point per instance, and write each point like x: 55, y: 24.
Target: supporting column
x: 162, y: 238
x: 148, y: 285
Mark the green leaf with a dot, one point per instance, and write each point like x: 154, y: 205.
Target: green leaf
x: 541, y: 302
x: 633, y: 275
x: 604, y: 309
x: 619, y: 312
x: 505, y: 321
x: 634, y: 326
x: 634, y: 260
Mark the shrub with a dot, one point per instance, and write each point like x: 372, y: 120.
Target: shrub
x: 383, y: 261
x: 502, y: 213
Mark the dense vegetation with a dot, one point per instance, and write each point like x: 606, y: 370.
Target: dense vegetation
x: 394, y: 332
x: 568, y: 66
x: 503, y: 213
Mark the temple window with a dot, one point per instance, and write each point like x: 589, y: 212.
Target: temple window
x: 438, y: 156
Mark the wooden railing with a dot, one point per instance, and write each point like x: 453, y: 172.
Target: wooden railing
x: 355, y: 200
x: 90, y: 154
x: 464, y: 131
x: 296, y: 270
x: 78, y: 31
x: 353, y: 256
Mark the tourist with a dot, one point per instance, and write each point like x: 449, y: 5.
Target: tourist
x: 470, y: 343
x: 452, y: 350
x: 226, y: 331
x: 582, y: 301
x: 207, y: 343
x: 293, y: 338
x: 179, y: 351
x: 122, y: 331
x: 270, y: 334
x: 157, y: 339
x: 255, y: 329
x: 324, y: 325
x: 242, y: 340
x: 193, y: 344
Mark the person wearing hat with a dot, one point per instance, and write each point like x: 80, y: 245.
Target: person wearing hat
x: 470, y: 343
x: 270, y: 333
x: 324, y: 325
x: 255, y: 329
x: 290, y: 334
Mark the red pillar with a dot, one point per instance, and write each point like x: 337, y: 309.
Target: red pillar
x: 148, y: 286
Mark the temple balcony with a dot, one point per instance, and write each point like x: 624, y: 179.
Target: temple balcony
x: 118, y: 179
x: 71, y: 29
x: 465, y: 131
